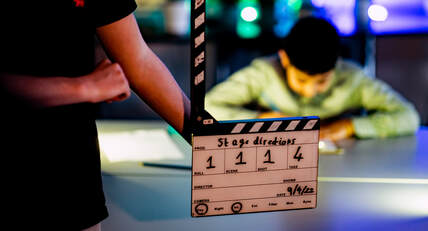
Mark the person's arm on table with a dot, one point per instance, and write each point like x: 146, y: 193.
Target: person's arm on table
x: 392, y: 114
x: 271, y: 114
x: 337, y: 130
x: 147, y: 75
x: 106, y: 83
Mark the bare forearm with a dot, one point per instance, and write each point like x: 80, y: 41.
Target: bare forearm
x: 43, y: 92
x: 147, y: 75
x: 154, y: 83
x: 106, y: 82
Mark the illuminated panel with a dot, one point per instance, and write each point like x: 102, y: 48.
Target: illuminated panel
x: 403, y: 16
x: 340, y: 13
x: 286, y: 12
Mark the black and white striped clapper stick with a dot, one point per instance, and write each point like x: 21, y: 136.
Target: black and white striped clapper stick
x: 246, y: 166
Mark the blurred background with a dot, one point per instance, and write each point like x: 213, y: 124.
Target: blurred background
x: 389, y: 38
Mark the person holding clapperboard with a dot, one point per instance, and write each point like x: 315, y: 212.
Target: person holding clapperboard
x: 306, y: 77
x: 50, y: 87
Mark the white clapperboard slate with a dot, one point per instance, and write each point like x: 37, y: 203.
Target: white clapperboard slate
x: 247, y: 166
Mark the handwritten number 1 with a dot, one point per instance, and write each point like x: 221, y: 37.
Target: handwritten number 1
x: 210, y: 161
x: 240, y: 159
x: 269, y: 161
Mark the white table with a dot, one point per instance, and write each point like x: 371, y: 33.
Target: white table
x: 375, y: 185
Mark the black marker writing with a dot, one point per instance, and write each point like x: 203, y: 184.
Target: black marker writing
x: 210, y: 161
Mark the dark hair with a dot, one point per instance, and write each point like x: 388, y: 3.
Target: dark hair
x: 312, y: 45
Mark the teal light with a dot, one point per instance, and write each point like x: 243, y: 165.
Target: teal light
x: 214, y: 8
x: 249, y: 13
x: 296, y: 5
x: 286, y: 13
x: 248, y: 30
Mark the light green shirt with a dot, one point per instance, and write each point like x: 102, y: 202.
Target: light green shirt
x: 263, y: 83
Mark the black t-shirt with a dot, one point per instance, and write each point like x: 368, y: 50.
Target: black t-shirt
x: 53, y: 165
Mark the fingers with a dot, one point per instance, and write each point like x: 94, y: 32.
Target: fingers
x: 103, y: 64
x: 272, y: 114
x: 108, y: 83
x: 123, y: 84
x: 333, y: 135
x: 120, y: 97
x: 338, y: 130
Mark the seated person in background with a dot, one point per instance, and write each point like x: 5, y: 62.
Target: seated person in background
x: 307, y: 78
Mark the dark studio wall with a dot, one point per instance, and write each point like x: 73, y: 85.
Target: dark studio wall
x: 402, y: 62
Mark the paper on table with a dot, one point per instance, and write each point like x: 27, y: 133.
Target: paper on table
x: 139, y: 145
x: 328, y: 147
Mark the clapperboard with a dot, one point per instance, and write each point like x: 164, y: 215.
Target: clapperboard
x: 247, y: 166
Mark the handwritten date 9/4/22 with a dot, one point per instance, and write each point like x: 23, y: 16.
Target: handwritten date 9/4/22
x: 299, y: 190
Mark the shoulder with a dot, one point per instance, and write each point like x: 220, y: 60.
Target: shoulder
x: 348, y: 66
x: 260, y: 73
x: 266, y: 61
x: 351, y: 75
x: 350, y: 72
x: 268, y: 65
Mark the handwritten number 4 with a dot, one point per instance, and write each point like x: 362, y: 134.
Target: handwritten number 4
x: 298, y: 154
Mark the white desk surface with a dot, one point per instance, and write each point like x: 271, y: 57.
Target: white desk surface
x: 375, y: 185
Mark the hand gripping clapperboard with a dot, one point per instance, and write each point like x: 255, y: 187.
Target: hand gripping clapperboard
x: 247, y: 166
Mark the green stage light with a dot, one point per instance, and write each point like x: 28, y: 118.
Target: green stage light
x: 248, y: 30
x: 296, y: 5
x: 249, y: 14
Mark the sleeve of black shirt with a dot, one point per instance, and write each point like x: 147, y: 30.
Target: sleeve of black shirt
x: 105, y: 12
